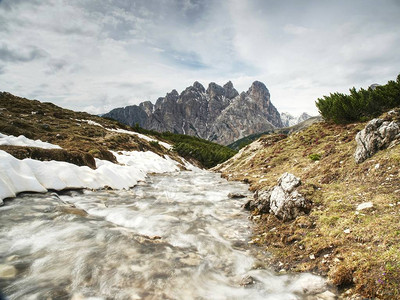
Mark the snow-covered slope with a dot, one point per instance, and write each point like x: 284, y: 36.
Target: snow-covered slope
x: 289, y: 120
x: 29, y: 175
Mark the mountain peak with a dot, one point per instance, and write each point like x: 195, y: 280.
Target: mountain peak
x: 215, y: 90
x: 198, y: 86
x: 259, y: 86
x: 230, y: 91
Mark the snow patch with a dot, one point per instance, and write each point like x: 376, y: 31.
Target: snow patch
x: 29, y: 175
x: 10, y: 140
x: 142, y: 136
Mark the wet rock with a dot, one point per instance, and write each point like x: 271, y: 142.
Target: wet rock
x: 7, y: 272
x: 309, y: 284
x: 327, y: 295
x: 191, y: 259
x: 72, y: 210
x: 247, y: 280
x: 376, y: 135
x: 236, y: 195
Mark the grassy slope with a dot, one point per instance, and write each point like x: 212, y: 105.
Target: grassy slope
x: 50, y: 123
x: 368, y: 258
x: 239, y: 144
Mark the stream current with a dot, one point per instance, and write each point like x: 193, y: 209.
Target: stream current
x: 174, y: 236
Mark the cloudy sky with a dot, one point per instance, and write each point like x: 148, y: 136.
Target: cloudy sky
x: 94, y: 55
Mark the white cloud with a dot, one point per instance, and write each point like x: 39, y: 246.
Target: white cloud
x: 97, y: 55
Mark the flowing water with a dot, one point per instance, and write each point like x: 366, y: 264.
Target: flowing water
x: 175, y: 236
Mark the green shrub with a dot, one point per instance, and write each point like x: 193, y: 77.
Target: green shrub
x: 314, y: 156
x: 359, y: 105
x: 207, y: 153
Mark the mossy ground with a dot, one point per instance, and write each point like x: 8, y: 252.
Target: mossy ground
x: 357, y: 250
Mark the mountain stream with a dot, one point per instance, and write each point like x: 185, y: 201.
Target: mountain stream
x: 174, y: 236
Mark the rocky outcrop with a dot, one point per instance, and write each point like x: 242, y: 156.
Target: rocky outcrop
x: 217, y: 113
x: 377, y: 135
x: 283, y: 200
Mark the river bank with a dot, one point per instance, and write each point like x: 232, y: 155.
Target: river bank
x: 351, y: 233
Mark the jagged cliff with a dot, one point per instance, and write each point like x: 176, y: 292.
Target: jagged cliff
x: 218, y: 114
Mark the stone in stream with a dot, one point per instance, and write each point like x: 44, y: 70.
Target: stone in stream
x: 236, y: 195
x: 247, y: 280
x: 72, y: 210
x: 7, y: 271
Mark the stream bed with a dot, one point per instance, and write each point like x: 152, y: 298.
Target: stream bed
x: 174, y: 236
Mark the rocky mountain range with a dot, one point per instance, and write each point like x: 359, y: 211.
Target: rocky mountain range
x: 218, y: 113
x: 289, y: 120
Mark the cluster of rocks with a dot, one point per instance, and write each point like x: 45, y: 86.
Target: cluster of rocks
x: 283, y: 200
x: 218, y: 113
x: 377, y: 135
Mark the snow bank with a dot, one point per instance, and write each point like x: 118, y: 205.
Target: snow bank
x: 23, y: 141
x: 142, y: 136
x: 30, y: 175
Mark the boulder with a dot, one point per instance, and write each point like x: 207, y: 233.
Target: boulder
x: 283, y: 200
x: 377, y: 135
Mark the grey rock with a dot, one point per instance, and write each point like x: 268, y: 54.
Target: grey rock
x: 218, y: 114
x: 247, y: 280
x: 283, y: 200
x: 377, y: 135
x: 130, y: 115
x: 236, y: 195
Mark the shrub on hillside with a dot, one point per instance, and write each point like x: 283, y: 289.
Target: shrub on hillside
x: 361, y: 105
x: 209, y: 154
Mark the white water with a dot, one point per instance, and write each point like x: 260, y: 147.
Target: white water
x: 175, y: 236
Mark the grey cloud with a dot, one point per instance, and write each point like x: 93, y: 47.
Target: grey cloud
x: 56, y: 65
x: 11, y: 4
x: 8, y: 55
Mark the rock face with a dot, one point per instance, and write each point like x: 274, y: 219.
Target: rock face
x: 377, y: 135
x: 217, y: 113
x: 283, y: 200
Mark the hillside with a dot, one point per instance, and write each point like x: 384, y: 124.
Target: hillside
x: 239, y: 144
x: 351, y: 231
x: 84, y: 137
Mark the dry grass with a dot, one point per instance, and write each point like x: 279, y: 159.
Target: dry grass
x: 53, y: 124
x: 357, y: 250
